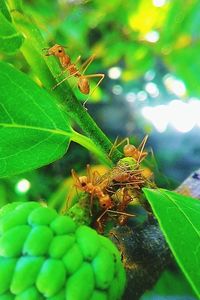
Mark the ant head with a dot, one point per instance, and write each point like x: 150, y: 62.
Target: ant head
x: 129, y: 150
x: 56, y: 50
x: 83, y: 181
x: 105, y: 202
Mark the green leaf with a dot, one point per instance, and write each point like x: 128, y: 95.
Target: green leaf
x: 164, y: 287
x: 33, y: 129
x: 10, y: 39
x: 4, y: 10
x: 179, y: 219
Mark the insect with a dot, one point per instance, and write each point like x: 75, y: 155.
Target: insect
x: 128, y: 170
x: 117, y: 213
x: 89, y: 184
x: 129, y: 150
x: 73, y: 70
x: 122, y: 175
x: 93, y: 184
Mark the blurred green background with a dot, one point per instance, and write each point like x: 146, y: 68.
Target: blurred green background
x: 149, y: 51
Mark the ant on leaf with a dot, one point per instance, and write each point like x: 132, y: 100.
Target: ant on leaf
x: 73, y: 71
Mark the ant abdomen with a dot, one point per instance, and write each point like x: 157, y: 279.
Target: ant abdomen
x: 83, y: 85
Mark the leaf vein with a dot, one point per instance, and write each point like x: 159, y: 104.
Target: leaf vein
x: 182, y: 211
x: 23, y: 91
x: 28, y: 149
x: 7, y: 112
x: 6, y: 37
x: 54, y: 131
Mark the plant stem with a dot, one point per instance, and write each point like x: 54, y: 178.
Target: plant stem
x: 47, y: 69
x: 88, y: 144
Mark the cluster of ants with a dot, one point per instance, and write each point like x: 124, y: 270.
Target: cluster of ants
x: 117, y: 188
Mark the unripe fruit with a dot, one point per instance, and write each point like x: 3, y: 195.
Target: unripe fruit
x: 47, y: 256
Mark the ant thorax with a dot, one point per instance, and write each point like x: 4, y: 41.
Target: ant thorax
x: 65, y: 61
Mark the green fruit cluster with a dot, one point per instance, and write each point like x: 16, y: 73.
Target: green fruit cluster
x: 47, y: 256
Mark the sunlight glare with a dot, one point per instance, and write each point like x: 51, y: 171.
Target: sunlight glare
x: 114, y: 72
x: 158, y: 115
x: 174, y: 85
x: 142, y: 96
x: 152, y: 36
x: 117, y: 89
x: 152, y: 89
x: 23, y: 186
x: 159, y: 3
x: 131, y: 97
x: 180, y: 116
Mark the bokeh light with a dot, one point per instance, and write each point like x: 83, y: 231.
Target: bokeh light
x: 23, y: 186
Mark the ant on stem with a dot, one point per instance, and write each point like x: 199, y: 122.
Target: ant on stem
x: 129, y: 150
x: 127, y: 171
x: 73, y: 70
x: 89, y: 185
x: 93, y: 185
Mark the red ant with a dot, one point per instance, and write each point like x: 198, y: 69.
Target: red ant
x: 128, y: 172
x: 125, y: 177
x: 89, y: 185
x: 72, y: 69
x: 130, y: 150
x: 92, y: 184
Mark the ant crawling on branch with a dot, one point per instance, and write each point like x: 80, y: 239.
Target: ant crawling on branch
x: 127, y: 172
x: 89, y: 184
x: 73, y: 70
x: 94, y: 185
x: 130, y: 150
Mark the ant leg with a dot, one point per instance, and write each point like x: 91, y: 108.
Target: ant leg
x: 69, y: 76
x: 116, y: 145
x: 143, y: 143
x: 120, y: 213
x: 77, y: 60
x: 86, y: 64
x: 98, y: 83
x: 68, y: 202
x: 89, y: 175
x: 75, y: 178
x: 61, y: 73
x: 100, y: 227
x: 91, y: 203
x: 142, y: 154
x: 97, y: 179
